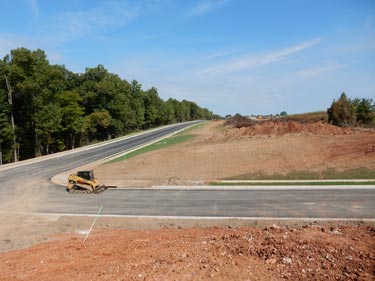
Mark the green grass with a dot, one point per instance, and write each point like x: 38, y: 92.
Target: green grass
x: 192, y: 128
x: 158, y: 145
x: 291, y: 183
x: 328, y: 174
x: 310, y: 116
x: 359, y: 173
x: 176, y: 139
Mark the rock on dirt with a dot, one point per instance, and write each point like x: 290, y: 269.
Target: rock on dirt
x: 247, y: 253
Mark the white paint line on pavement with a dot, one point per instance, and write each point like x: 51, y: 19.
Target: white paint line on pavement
x: 209, y: 217
x: 253, y: 187
x: 296, y: 181
x: 62, y: 178
x: 123, y: 153
x: 357, y: 207
x: 83, y: 148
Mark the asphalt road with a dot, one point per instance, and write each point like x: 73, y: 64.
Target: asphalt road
x: 50, y: 167
x: 27, y: 185
x: 226, y: 203
x: 353, y: 203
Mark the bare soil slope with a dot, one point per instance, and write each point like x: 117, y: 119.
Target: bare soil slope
x: 283, y: 127
x: 272, y: 147
x: 274, y: 253
x: 311, y: 252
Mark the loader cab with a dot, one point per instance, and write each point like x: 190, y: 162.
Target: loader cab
x: 87, y: 175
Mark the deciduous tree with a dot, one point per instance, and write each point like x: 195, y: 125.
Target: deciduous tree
x: 342, y: 112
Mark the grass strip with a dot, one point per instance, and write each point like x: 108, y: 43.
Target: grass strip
x: 328, y: 174
x: 192, y: 128
x: 158, y: 145
x: 175, y: 139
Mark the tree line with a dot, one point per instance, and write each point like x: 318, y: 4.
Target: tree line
x: 346, y: 112
x: 47, y: 108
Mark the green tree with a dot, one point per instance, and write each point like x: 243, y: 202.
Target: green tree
x: 175, y: 107
x: 6, y: 136
x: 47, y: 123
x: 364, y: 111
x: 185, y: 111
x: 6, y: 132
x: 96, y: 124
x: 71, y: 115
x: 342, y: 112
x: 169, y: 112
x: 124, y: 118
x: 34, y: 83
x: 137, y: 103
x: 94, y: 88
x: 283, y: 114
x: 153, y: 108
x: 56, y: 109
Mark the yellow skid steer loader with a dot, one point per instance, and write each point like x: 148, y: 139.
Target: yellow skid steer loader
x: 84, y: 182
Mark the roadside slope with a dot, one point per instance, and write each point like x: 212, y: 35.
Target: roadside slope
x: 220, y: 152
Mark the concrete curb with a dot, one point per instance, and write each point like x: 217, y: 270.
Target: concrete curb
x: 255, y: 188
x: 293, y: 181
x: 211, y: 218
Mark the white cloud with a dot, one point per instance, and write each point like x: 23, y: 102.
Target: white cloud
x: 253, y: 61
x: 34, y: 7
x: 108, y: 15
x: 206, y: 6
x: 318, y: 70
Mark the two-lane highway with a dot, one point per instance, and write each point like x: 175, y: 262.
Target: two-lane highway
x: 50, y: 167
x: 26, y: 188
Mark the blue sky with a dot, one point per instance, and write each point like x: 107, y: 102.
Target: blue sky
x: 250, y: 57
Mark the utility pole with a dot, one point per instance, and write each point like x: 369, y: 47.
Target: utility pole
x: 10, y: 101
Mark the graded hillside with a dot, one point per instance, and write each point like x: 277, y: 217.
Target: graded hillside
x: 283, y: 127
x: 273, y: 147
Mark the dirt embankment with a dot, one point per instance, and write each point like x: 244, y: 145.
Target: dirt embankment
x: 285, y: 127
x: 271, y: 147
x: 273, y: 253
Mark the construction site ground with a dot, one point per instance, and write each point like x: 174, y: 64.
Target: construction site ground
x: 149, y: 249
x: 309, y: 252
x: 220, y: 152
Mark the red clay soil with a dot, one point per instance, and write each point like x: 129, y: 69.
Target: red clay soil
x: 275, y: 253
x: 280, y: 127
x: 220, y: 152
